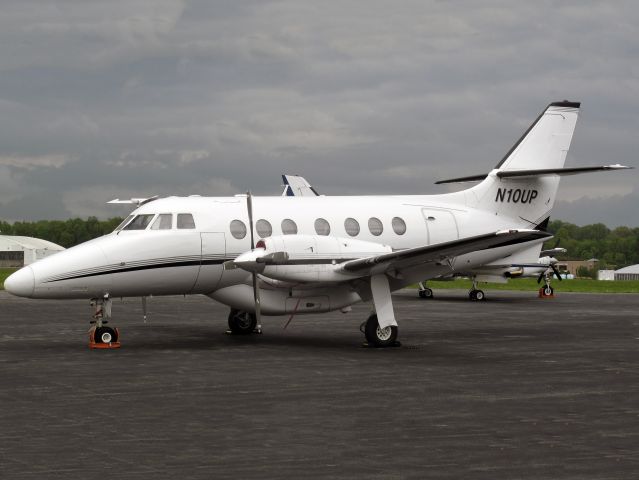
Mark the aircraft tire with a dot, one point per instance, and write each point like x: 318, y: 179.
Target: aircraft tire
x: 426, y: 293
x: 241, y: 323
x: 479, y: 295
x: 378, y: 337
x: 471, y: 295
x: 105, y: 335
x: 548, y: 291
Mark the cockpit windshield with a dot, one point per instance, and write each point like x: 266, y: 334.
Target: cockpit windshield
x: 126, y: 220
x: 140, y: 222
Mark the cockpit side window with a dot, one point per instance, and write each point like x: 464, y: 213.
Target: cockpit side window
x: 185, y: 221
x: 126, y: 220
x: 163, y: 222
x: 140, y: 222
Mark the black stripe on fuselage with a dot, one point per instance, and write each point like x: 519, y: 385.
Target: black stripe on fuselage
x: 193, y: 263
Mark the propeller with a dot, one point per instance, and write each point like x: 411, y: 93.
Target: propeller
x: 555, y: 271
x: 256, y: 290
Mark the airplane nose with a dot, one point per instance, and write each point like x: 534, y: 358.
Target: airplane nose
x: 21, y: 283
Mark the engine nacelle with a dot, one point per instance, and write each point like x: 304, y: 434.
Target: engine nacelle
x: 307, y: 258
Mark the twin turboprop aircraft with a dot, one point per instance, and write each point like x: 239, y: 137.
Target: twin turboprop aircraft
x: 312, y: 254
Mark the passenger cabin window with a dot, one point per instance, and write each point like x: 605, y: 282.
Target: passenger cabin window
x: 322, y: 227
x: 238, y: 229
x: 351, y: 226
x: 140, y: 222
x: 185, y: 221
x: 163, y: 222
x: 126, y: 220
x: 399, y: 226
x: 263, y: 228
x: 289, y: 227
x: 375, y: 226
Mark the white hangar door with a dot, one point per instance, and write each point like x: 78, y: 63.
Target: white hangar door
x: 441, y: 225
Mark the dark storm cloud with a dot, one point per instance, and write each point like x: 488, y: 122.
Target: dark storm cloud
x: 101, y: 100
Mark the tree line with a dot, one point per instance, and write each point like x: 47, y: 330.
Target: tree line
x: 63, y: 232
x: 614, y: 248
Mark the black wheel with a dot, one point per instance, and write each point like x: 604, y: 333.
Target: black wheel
x: 426, y: 293
x: 479, y: 295
x: 548, y: 291
x: 242, y: 323
x: 472, y: 295
x: 105, y: 335
x: 379, y: 337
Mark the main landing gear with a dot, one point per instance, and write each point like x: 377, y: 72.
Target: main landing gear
x: 242, y: 323
x: 101, y: 335
x: 474, y: 294
x: 377, y: 336
x: 424, y: 291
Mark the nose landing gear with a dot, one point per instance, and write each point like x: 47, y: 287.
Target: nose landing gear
x: 100, y: 335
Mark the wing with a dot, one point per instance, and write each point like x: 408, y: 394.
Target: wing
x: 439, y: 252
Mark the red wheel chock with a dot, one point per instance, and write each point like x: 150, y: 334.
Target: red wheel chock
x: 94, y: 344
x: 543, y: 295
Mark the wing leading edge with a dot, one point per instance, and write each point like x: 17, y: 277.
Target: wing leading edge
x: 440, y: 252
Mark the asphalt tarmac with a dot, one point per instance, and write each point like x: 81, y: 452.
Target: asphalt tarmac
x: 513, y: 387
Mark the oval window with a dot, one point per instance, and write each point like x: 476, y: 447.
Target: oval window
x: 263, y: 228
x: 289, y: 227
x: 375, y: 226
x: 399, y: 226
x: 351, y: 226
x: 322, y: 227
x: 238, y: 229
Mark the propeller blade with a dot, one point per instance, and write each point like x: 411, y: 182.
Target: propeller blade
x: 249, y: 207
x: 541, y: 275
x: 556, y: 272
x: 256, y: 299
x: 256, y: 290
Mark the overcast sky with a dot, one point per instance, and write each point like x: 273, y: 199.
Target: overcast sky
x: 117, y: 99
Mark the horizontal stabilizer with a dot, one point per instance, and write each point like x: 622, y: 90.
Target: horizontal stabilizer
x: 133, y: 201
x: 559, y: 171
x: 472, y: 178
x: 537, y: 173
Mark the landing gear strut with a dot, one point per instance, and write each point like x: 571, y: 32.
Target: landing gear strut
x: 101, y: 335
x: 242, y: 323
x: 475, y: 294
x: 377, y: 336
x: 424, y: 291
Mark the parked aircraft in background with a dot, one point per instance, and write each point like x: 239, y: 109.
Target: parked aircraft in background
x: 543, y: 269
x: 301, y: 255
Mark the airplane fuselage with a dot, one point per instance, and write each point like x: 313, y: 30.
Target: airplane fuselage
x: 171, y: 261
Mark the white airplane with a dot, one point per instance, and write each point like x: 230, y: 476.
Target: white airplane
x: 543, y: 269
x: 315, y: 254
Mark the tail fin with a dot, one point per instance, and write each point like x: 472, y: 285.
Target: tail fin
x: 544, y: 145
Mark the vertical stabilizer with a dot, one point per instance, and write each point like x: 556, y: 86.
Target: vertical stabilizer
x: 544, y: 145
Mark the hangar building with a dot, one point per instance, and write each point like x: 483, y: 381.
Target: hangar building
x: 627, y: 273
x: 20, y: 251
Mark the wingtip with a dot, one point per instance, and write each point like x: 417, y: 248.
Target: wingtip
x: 565, y: 104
